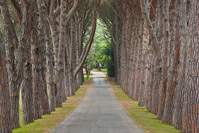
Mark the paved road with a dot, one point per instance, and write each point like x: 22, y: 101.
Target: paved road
x: 99, y: 112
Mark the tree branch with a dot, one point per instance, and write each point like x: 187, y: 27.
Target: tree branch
x: 151, y: 28
x: 89, y: 42
x: 17, y: 7
x: 72, y: 11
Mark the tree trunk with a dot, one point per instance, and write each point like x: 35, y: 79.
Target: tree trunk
x: 73, y: 46
x: 49, y: 72
x: 26, y: 86
x: 42, y: 31
x: 190, y: 118
x: 150, y: 78
x: 11, y: 43
x: 144, y: 69
x: 5, y: 116
x: 54, y: 28
x: 174, y: 60
x: 67, y: 64
x: 36, y: 69
x: 165, y: 55
x: 60, y: 68
x: 137, y: 82
x: 184, y: 45
x: 117, y: 49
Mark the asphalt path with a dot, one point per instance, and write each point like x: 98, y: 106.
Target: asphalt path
x: 98, y: 112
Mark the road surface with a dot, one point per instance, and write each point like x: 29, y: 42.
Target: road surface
x: 99, y: 112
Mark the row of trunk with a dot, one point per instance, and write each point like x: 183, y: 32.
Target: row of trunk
x: 156, y: 57
x: 44, y: 61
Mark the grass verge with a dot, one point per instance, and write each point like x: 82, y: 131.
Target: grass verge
x: 102, y: 70
x: 141, y: 116
x: 86, y: 75
x: 48, y: 122
x: 88, y: 80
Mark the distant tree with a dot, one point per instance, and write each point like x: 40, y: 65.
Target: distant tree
x: 89, y: 64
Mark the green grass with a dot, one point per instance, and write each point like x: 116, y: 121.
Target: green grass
x: 48, y: 122
x: 143, y: 118
x: 102, y: 70
x: 86, y: 75
x: 89, y: 79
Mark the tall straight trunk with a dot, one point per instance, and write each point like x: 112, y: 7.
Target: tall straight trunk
x: 26, y: 86
x: 190, y: 119
x: 66, y: 74
x: 184, y: 45
x: 130, y: 50
x: 80, y: 45
x: 135, y: 53
x: 150, y: 78
x: 174, y: 60
x: 125, y: 43
x: 11, y: 43
x: 123, y: 52
x: 129, y: 47
x: 5, y: 117
x: 54, y: 28
x: 26, y: 91
x: 42, y: 40
x: 72, y: 60
x: 156, y: 43
x: 80, y: 30
x: 144, y: 67
x: 77, y: 33
x: 165, y: 54
x: 36, y: 69
x: 64, y: 90
x: 117, y: 43
x: 156, y: 84
x: 157, y: 72
x: 49, y: 71
x: 60, y: 68
x: 67, y: 63
x: 139, y: 65
x: 131, y: 59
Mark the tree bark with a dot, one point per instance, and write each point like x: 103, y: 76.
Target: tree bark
x: 11, y: 43
x: 144, y: 67
x: 165, y: 56
x: 43, y: 38
x: 5, y: 116
x: 174, y: 60
x: 60, y: 68
x: 184, y: 45
x: 38, y: 93
x: 190, y: 120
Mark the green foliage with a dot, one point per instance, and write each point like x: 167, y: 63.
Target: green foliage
x: 110, y: 69
x: 109, y: 61
x: 89, y: 64
x: 101, y: 51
